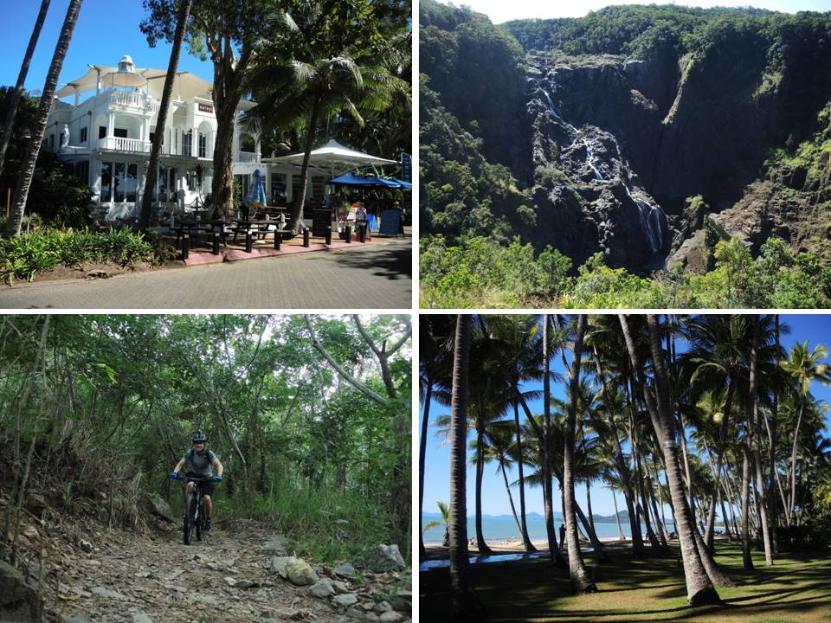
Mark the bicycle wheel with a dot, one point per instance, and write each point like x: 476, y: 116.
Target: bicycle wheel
x: 188, y: 522
x: 199, y: 522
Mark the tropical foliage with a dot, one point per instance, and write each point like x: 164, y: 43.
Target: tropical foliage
x: 310, y: 417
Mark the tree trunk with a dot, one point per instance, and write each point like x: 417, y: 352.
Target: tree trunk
x: 792, y: 493
x: 722, y: 440
x: 299, y: 205
x: 772, y: 441
x: 747, y: 561
x: 422, y: 454
x: 17, y: 94
x: 526, y: 541
x: 510, y: 497
x: 617, y: 516
x: 580, y: 579
x: 29, y: 161
x: 481, y: 545
x: 465, y: 604
x: 754, y: 432
x: 700, y: 590
x: 553, y: 549
x: 155, y: 150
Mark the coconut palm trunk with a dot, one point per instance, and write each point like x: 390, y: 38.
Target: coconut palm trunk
x: 481, y: 545
x: 580, y: 579
x: 465, y: 605
x: 722, y: 440
x: 161, y: 121
x: 553, y: 549
x: 617, y: 516
x: 747, y: 560
x: 700, y: 589
x: 422, y: 455
x: 526, y: 541
x: 17, y: 94
x: 754, y: 439
x: 297, y: 214
x: 27, y: 168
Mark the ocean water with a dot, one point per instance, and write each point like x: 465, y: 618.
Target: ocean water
x: 503, y: 527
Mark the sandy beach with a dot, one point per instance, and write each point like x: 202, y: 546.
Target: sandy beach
x: 513, y: 545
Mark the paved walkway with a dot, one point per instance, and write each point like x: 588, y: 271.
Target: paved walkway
x: 377, y: 276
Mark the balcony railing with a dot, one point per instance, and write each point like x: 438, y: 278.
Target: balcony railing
x: 133, y: 100
x: 129, y: 145
x: 247, y: 156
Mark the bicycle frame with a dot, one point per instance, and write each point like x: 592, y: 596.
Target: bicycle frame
x: 194, y: 515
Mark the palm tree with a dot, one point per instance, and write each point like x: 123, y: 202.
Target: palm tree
x: 520, y: 360
x: 580, y: 578
x: 153, y: 166
x: 333, y: 71
x: 700, y: 590
x: 464, y: 601
x: 805, y: 368
x: 434, y: 342
x: 499, y: 442
x: 14, y: 104
x: 27, y: 168
x: 435, y: 523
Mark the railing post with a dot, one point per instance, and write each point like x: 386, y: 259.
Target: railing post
x: 348, y: 234
x: 278, y: 239
x: 185, y: 246
x: 215, y: 249
x: 249, y: 242
x: 362, y: 232
x: 306, y: 237
x: 329, y: 236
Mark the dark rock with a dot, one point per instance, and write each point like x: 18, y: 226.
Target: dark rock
x: 18, y: 600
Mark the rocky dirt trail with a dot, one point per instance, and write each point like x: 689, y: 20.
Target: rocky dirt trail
x: 240, y: 572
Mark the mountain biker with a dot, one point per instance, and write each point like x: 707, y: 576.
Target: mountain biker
x: 199, y: 461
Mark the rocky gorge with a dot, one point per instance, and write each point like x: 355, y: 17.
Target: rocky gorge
x: 647, y: 134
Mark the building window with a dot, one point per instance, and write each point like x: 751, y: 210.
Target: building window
x: 82, y: 171
x: 131, y: 183
x: 118, y: 185
x: 162, y: 183
x: 172, y: 185
x: 102, y: 131
x: 106, y: 181
x: 203, y: 145
x: 187, y: 144
x: 83, y: 135
x: 120, y: 132
x: 51, y: 142
x: 278, y: 189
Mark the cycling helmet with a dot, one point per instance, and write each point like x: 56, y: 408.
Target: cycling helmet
x: 199, y: 436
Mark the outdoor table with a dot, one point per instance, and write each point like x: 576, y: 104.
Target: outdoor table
x: 198, y: 227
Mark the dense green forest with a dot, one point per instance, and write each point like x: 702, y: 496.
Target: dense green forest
x: 712, y: 430
x: 661, y: 137
x: 309, y: 415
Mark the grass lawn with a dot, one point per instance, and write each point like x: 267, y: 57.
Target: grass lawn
x: 796, y: 588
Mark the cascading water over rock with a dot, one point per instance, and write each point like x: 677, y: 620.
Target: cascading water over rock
x: 628, y: 225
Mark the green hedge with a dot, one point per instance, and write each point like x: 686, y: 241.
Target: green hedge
x: 24, y: 256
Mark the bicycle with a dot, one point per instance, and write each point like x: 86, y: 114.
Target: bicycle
x: 194, y: 517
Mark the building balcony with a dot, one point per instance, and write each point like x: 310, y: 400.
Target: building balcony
x: 247, y: 156
x: 125, y: 145
x: 132, y: 101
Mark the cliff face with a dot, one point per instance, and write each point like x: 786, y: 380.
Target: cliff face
x: 610, y: 145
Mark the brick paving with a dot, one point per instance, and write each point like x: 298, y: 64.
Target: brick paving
x: 372, y: 276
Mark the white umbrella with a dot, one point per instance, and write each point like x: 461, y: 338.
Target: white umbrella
x: 332, y: 158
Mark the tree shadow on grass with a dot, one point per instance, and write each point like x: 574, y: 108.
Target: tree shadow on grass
x: 539, y: 592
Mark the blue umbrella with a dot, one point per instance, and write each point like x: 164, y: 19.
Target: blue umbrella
x: 257, y: 190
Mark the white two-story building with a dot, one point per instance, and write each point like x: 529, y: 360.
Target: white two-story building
x: 107, y: 139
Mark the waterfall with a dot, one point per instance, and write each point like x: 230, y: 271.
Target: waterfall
x: 590, y: 159
x: 652, y: 222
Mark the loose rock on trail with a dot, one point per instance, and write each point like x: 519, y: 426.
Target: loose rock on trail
x: 149, y: 578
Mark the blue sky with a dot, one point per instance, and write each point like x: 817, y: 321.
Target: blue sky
x: 106, y: 30
x: 816, y: 329
x: 501, y: 11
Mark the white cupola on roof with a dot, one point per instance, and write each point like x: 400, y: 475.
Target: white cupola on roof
x: 125, y: 65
